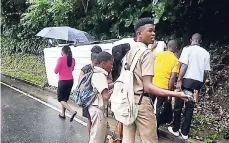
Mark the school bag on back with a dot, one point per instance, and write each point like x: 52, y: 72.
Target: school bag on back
x: 122, y: 99
x: 85, y: 93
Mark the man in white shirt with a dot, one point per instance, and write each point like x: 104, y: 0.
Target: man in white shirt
x: 195, y: 64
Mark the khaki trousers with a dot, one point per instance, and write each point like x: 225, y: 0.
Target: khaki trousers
x: 145, y: 123
x: 98, y: 132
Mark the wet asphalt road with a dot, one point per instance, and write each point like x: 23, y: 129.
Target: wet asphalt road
x: 24, y: 120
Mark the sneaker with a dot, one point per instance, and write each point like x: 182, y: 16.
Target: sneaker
x: 174, y: 133
x: 183, y: 136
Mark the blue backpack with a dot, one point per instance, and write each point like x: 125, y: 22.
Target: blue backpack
x: 84, y: 93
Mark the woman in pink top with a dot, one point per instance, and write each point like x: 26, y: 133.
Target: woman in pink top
x: 65, y: 66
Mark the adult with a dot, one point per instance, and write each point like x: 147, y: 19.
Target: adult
x: 65, y: 66
x: 195, y: 64
x: 166, y: 67
x: 145, y: 122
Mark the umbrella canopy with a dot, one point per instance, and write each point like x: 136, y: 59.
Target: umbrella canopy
x: 65, y: 33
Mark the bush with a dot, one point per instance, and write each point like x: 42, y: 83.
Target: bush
x: 25, y: 66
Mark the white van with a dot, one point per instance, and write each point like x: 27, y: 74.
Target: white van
x: 82, y: 57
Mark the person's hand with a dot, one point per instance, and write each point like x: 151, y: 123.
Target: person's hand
x: 154, y: 45
x: 195, y: 95
x: 183, y: 96
x: 178, y: 86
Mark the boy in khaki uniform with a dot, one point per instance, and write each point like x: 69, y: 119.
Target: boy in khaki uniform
x: 97, y: 109
x: 145, y: 122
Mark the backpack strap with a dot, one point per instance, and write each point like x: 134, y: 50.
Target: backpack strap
x: 135, y: 59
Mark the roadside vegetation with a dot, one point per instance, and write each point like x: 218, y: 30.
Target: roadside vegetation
x: 22, y: 51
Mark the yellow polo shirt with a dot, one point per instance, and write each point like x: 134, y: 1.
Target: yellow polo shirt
x: 165, y: 63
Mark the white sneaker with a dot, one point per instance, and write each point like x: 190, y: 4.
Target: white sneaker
x: 174, y: 133
x: 183, y: 136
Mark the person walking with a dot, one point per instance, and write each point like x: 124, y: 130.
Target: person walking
x: 65, y: 66
x: 195, y: 64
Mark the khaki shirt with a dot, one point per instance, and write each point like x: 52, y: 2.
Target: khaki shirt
x: 99, y: 82
x: 144, y: 67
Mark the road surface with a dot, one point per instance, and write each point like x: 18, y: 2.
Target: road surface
x: 25, y: 120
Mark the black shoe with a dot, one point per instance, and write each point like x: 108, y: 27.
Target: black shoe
x: 72, y: 117
x: 62, y: 117
x: 226, y: 137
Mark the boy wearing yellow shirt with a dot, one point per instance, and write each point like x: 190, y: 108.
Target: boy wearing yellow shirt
x: 166, y: 67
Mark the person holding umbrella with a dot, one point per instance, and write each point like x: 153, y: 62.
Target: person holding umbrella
x: 65, y: 66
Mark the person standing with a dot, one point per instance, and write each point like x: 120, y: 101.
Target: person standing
x: 195, y: 64
x: 89, y: 68
x: 166, y: 68
x: 65, y: 66
x: 143, y: 73
x: 97, y: 109
x: 86, y: 69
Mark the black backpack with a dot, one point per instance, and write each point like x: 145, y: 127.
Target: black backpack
x: 118, y: 52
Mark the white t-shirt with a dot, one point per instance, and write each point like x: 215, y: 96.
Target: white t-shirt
x: 198, y: 61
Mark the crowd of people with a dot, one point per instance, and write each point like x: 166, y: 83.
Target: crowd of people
x: 156, y: 75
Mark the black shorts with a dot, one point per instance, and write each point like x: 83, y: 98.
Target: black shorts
x: 64, y: 90
x: 86, y: 113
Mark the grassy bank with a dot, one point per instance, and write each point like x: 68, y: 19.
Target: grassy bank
x: 24, y: 66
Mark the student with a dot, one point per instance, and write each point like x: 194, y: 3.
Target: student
x: 86, y: 69
x: 195, y: 63
x: 145, y: 122
x: 166, y: 67
x: 64, y: 68
x: 97, y: 109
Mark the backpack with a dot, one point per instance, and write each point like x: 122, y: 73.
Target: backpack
x: 84, y: 93
x: 122, y: 99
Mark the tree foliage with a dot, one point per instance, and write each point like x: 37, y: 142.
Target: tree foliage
x: 103, y: 19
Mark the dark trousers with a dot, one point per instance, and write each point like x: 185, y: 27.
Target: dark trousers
x: 160, y: 101
x: 189, y: 108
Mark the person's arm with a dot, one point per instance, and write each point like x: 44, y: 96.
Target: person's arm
x: 57, y: 69
x: 154, y: 90
x: 173, y: 76
x: 81, y: 75
x: 106, y: 94
x: 184, y: 59
x: 147, y: 68
x: 100, y: 82
x: 172, y: 80
x: 183, y: 70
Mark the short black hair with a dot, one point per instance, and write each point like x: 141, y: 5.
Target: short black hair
x: 142, y: 22
x: 95, y: 51
x: 104, y: 56
x: 119, y: 51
